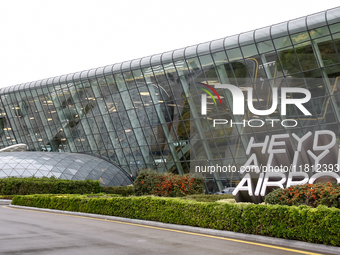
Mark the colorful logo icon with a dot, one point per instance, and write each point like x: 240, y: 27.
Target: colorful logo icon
x: 204, y: 97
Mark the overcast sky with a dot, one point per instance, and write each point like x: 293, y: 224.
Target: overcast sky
x: 42, y: 39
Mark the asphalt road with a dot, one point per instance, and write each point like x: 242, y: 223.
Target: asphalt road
x: 33, y: 232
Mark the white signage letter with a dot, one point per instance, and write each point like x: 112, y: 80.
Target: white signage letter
x: 238, y: 97
x: 297, y: 101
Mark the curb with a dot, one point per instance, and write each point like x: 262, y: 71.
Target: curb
x: 5, y: 201
x: 222, y: 233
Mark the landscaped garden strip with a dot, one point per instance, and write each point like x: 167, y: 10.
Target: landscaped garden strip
x: 315, y: 225
x: 32, y: 185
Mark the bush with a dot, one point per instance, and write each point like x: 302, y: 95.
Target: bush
x: 100, y: 195
x: 309, y: 194
x: 151, y: 182
x: 208, y: 198
x: 6, y: 196
x: 125, y: 191
x: 33, y: 185
x: 316, y: 225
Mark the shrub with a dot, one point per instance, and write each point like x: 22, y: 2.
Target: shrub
x: 151, y: 182
x: 147, y: 183
x: 316, y: 225
x: 309, y: 194
x: 101, y: 195
x: 120, y: 190
x: 33, y: 185
x: 228, y: 200
x: 208, y: 198
x: 6, y: 196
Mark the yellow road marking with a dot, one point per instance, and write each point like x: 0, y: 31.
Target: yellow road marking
x: 174, y: 230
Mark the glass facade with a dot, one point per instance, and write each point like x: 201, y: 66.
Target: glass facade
x: 146, y: 113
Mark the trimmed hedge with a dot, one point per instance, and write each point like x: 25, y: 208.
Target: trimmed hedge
x: 33, y: 185
x: 6, y: 196
x: 208, y: 198
x: 150, y: 182
x: 309, y: 194
x: 315, y: 225
x: 125, y: 191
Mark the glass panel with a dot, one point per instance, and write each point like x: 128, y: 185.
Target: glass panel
x: 306, y: 56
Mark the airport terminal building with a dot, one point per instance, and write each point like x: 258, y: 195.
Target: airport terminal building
x: 165, y: 111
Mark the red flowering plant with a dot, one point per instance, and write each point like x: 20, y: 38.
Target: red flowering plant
x: 309, y: 194
x: 150, y: 182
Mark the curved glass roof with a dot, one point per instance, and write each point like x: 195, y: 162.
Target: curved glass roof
x: 72, y: 166
x: 15, y: 147
x: 283, y: 29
